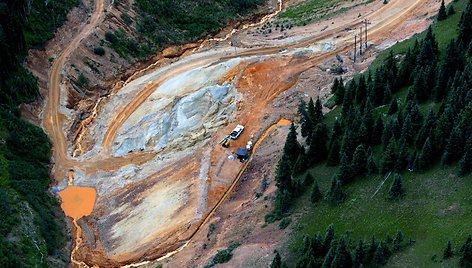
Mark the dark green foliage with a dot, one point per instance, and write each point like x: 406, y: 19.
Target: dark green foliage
x: 451, y: 11
x: 377, y: 132
x: 166, y: 22
x: 389, y: 157
x: 318, y: 151
x: 345, y: 174
x: 372, y: 165
x: 359, y: 254
x: 397, y: 242
x: 466, y: 253
x: 82, y: 80
x: 442, y: 15
x: 292, y: 147
x: 425, y: 158
x: 285, y: 222
x: 393, y: 108
x: 100, y: 51
x: 380, y: 256
x: 300, y: 164
x: 315, y: 195
x: 396, y: 189
x: 342, y: 258
x: 448, y: 253
x: 277, y: 261
x: 333, y: 156
x: 335, y: 194
x: 359, y: 161
x: 305, y: 121
x: 126, y: 46
x: 465, y: 164
x: 469, y: 50
x: 465, y: 25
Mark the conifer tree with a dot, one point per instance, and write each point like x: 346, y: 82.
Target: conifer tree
x: 333, y: 156
x: 334, y: 87
x: 340, y: 92
x: 465, y: 164
x: 328, y: 239
x: 342, y: 258
x: 318, y: 151
x: 377, y: 131
x: 277, y: 261
x: 469, y: 50
x: 359, y: 254
x: 466, y: 256
x: 387, y: 96
x: 448, y: 253
x: 301, y: 164
x: 328, y: 260
x: 361, y: 92
x: 393, y: 108
x: 379, y: 258
x: 283, y: 174
x: 305, y: 121
x: 396, y: 189
x: 315, y: 193
x: 397, y: 242
x: 283, y: 199
x: 372, y: 165
x: 425, y: 158
x: 454, y: 147
x: 345, y: 174
x: 442, y: 15
x: 408, y: 133
x: 318, y: 115
x: 465, y: 25
x: 308, y: 180
x: 359, y: 161
x: 372, y: 248
x: 335, y: 195
x: 292, y: 148
x: 389, y: 157
x: 451, y: 11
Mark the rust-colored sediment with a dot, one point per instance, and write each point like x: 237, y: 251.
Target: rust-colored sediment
x: 77, y: 201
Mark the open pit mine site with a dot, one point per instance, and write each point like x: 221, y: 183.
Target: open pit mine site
x: 173, y: 160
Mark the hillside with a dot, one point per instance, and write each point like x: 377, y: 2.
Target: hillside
x: 390, y: 165
x: 32, y: 227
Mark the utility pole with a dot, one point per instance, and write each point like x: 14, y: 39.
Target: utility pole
x: 355, y: 47
x: 360, y: 42
x: 365, y: 23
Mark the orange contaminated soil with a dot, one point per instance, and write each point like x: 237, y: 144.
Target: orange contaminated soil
x: 77, y: 201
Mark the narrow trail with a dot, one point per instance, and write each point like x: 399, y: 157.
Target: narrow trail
x: 103, y: 160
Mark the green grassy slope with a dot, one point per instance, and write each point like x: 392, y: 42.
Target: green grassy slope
x: 437, y: 206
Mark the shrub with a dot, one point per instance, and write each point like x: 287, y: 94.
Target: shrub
x: 285, y: 222
x: 100, y: 51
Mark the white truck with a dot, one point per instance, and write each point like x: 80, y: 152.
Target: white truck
x: 236, y: 132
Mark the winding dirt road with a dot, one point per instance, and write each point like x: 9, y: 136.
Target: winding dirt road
x: 53, y: 120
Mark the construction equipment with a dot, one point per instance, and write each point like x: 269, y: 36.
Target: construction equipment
x: 225, y: 142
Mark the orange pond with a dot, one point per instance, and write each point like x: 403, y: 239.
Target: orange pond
x: 78, y: 201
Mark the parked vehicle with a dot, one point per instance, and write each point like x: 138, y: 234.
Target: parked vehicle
x: 236, y: 132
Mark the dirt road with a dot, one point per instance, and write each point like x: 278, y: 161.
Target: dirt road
x: 102, y: 160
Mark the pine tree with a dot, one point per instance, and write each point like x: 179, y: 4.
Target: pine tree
x: 318, y: 151
x: 335, y: 195
x: 345, y: 174
x: 466, y: 257
x: 387, y: 96
x: 448, y: 253
x: 451, y: 11
x: 328, y: 260
x: 425, y: 158
x: 340, y: 92
x: 372, y: 249
x: 342, y: 258
x: 359, y: 161
x: 389, y: 157
x: 454, y: 147
x: 397, y: 242
x: 465, y: 25
x: 379, y: 258
x: 335, y: 86
x: 442, y: 15
x: 465, y: 164
x: 333, y: 156
x: 361, y: 92
x: 292, y: 148
x: 301, y: 164
x: 283, y: 174
x: 315, y: 193
x: 308, y: 180
x: 318, y: 115
x: 377, y: 131
x: 393, y: 108
x: 469, y: 50
x: 359, y: 254
x: 277, y: 261
x: 305, y: 121
x: 408, y: 133
x: 372, y: 165
x: 312, y: 112
x: 283, y: 199
x: 396, y: 189
x: 328, y: 239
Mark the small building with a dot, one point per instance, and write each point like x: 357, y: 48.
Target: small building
x: 242, y: 154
